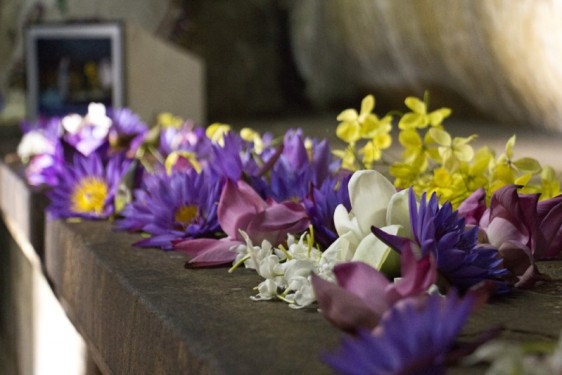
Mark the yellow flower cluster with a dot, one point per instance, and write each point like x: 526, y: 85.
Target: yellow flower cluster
x: 434, y: 161
x: 365, y: 127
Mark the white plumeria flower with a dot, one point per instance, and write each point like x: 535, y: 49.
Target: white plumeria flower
x: 34, y: 143
x: 374, y: 202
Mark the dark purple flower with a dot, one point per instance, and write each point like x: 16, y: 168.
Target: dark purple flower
x: 524, y: 230
x: 87, y: 187
x: 173, y: 207
x: 414, y: 337
x: 461, y: 261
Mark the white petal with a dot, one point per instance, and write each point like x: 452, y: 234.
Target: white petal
x: 398, y: 213
x: 373, y: 251
x: 369, y: 193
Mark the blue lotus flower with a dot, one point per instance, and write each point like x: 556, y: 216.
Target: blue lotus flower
x: 299, y: 168
x: 182, y: 205
x: 461, y: 261
x: 414, y: 337
x: 87, y: 186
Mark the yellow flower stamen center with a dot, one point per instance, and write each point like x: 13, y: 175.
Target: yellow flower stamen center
x: 89, y: 196
x: 186, y: 214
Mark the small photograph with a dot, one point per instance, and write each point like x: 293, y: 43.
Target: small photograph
x: 70, y: 67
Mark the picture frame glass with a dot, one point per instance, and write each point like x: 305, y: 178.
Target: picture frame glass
x: 70, y: 66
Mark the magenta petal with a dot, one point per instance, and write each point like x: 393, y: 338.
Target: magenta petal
x: 285, y: 216
x: 343, y: 309
x: 199, y: 246
x: 211, y: 258
x: 473, y: 207
x: 520, y: 210
x: 550, y: 226
x: 236, y: 202
x: 365, y: 282
x: 417, y: 276
x: 275, y: 222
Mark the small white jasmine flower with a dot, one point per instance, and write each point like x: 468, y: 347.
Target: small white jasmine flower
x: 267, y: 290
x: 303, y: 292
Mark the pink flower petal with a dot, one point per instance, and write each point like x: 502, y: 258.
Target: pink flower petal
x: 237, y: 201
x: 365, y: 282
x: 207, y: 252
x: 343, y: 309
x: 501, y: 230
x: 417, y: 276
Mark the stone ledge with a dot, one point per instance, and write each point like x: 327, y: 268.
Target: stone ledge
x: 140, y: 311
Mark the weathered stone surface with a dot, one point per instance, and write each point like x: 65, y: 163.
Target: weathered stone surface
x: 142, y: 312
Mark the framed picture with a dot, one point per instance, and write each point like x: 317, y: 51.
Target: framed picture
x: 69, y: 66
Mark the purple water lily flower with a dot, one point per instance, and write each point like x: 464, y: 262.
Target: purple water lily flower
x: 127, y: 132
x: 362, y: 293
x: 415, y: 337
x: 41, y: 151
x: 461, y: 261
x: 189, y: 138
x: 297, y: 169
x: 173, y: 207
x: 45, y: 169
x: 87, y: 133
x: 241, y: 208
x: 87, y: 187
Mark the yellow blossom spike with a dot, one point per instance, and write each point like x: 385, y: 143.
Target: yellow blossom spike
x: 367, y: 106
x: 349, y: 132
x: 348, y: 115
x: 436, y: 117
x: 250, y: 135
x: 216, y: 132
x: 416, y: 105
x: 173, y: 158
x: 527, y: 165
x: 168, y: 120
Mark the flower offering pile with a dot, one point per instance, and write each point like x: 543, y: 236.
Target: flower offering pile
x: 396, y: 252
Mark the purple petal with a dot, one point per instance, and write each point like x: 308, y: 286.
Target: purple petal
x: 396, y: 242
